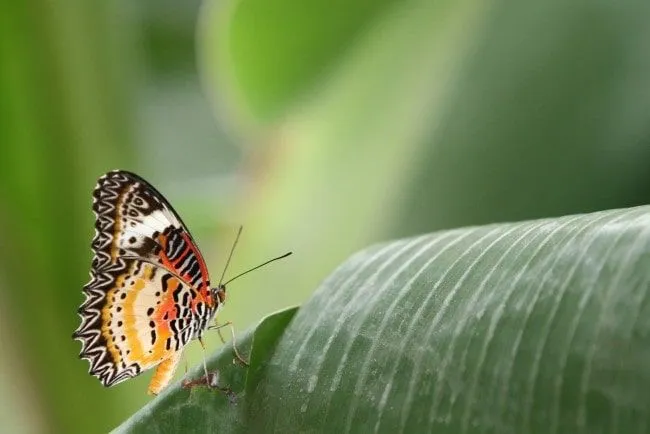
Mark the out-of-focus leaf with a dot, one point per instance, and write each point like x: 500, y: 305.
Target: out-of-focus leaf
x: 63, y: 121
x: 539, y: 326
x: 341, y: 160
x: 549, y: 116
x: 265, y: 55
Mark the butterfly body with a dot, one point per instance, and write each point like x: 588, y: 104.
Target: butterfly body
x: 149, y: 294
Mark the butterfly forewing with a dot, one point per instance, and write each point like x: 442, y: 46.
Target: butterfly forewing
x: 149, y: 292
x: 142, y: 224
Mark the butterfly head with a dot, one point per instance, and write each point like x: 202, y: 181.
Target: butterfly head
x: 219, y: 294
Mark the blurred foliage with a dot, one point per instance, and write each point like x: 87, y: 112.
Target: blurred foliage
x: 271, y: 53
x: 366, y: 120
x: 550, y: 115
x: 65, y: 115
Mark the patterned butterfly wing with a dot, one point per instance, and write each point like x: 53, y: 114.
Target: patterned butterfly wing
x: 141, y: 223
x: 149, y: 292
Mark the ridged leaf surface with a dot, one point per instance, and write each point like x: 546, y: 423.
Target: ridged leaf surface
x: 539, y: 326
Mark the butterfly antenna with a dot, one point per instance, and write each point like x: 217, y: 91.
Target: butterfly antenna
x: 232, y: 250
x: 255, y: 268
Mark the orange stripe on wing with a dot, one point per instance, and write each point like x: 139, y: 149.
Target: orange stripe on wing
x: 133, y: 332
x: 107, y: 319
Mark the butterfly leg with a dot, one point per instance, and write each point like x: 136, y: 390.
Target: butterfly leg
x: 234, y: 346
x: 212, y: 381
x: 205, y: 365
x: 186, y: 379
x: 164, y: 373
x: 218, y: 327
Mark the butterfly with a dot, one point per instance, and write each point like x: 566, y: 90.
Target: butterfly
x: 149, y: 292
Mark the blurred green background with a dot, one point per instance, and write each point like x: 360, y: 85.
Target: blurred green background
x: 320, y: 126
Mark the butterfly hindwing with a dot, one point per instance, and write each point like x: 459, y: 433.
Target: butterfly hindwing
x: 149, y: 314
x: 149, y: 289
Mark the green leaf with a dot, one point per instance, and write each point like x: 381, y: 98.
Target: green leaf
x: 538, y: 326
x: 200, y: 409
